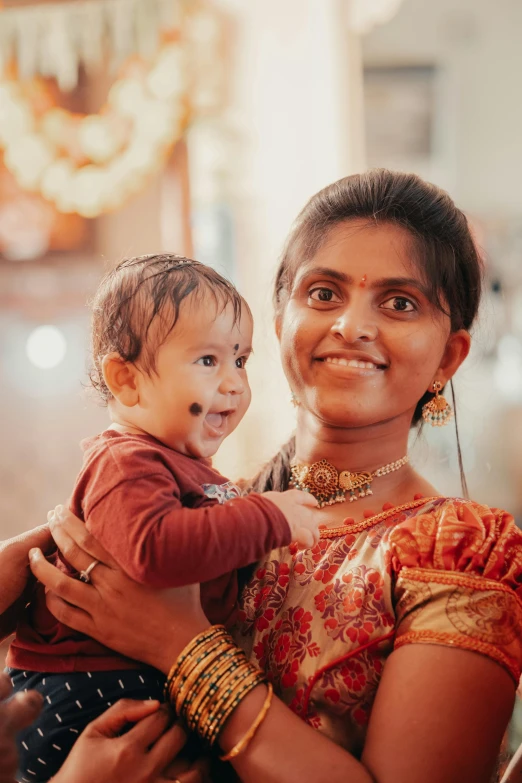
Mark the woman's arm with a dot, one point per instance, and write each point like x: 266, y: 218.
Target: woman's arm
x: 439, y: 714
x: 14, y: 573
x: 439, y: 717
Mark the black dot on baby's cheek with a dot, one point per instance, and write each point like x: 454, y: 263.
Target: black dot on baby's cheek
x: 196, y: 409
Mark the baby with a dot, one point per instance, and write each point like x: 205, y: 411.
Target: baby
x: 171, y: 339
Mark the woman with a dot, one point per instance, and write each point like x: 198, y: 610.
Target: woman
x: 397, y: 639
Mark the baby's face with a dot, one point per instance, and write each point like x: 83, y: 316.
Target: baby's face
x: 199, y: 392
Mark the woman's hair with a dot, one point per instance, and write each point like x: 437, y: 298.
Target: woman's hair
x: 444, y: 252
x: 143, y: 290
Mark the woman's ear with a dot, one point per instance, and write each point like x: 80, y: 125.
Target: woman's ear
x: 121, y: 379
x: 457, y: 348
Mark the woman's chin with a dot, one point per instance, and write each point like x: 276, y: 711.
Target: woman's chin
x: 336, y: 416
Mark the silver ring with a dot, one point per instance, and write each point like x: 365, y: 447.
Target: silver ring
x: 85, y: 576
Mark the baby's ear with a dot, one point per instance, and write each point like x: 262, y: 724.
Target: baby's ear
x: 121, y: 379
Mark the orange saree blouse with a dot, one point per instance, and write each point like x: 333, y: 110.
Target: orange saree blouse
x: 322, y: 622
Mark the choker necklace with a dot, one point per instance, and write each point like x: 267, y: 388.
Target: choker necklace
x: 329, y: 486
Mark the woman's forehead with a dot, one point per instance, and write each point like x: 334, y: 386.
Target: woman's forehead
x: 362, y: 247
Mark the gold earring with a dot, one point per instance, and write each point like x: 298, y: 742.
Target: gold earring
x: 437, y: 411
x: 295, y: 402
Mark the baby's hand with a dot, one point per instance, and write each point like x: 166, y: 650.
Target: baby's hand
x: 298, y: 508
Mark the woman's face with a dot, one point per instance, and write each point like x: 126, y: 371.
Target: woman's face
x: 360, y: 341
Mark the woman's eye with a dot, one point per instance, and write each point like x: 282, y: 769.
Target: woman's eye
x: 241, y: 362
x: 400, y: 304
x: 207, y: 361
x: 323, y: 294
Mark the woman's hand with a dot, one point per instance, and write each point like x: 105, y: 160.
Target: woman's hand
x: 139, y: 756
x: 15, y: 715
x: 14, y: 562
x: 152, y: 626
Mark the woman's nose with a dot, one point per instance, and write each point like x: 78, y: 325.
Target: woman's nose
x: 356, y: 322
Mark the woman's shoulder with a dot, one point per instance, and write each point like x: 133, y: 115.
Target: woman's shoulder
x: 460, y: 535
x: 457, y: 571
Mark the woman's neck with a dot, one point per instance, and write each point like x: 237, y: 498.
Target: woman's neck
x: 362, y: 450
x: 356, y: 449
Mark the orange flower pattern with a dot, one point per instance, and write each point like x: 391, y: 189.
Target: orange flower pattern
x: 322, y: 622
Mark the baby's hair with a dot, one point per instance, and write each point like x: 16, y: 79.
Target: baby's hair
x: 143, y: 290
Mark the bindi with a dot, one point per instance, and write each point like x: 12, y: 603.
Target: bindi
x: 236, y: 347
x: 362, y: 284
x: 196, y: 409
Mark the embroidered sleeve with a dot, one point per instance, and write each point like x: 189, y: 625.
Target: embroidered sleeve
x: 458, y: 581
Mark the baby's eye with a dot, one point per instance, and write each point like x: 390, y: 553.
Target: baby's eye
x: 401, y: 304
x: 207, y: 361
x: 323, y: 294
x: 241, y: 362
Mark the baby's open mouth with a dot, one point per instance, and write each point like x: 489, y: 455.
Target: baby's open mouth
x: 218, y: 419
x: 215, y: 419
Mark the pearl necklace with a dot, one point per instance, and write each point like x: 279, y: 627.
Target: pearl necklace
x: 330, y: 486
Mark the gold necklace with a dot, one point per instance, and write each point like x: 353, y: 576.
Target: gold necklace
x: 330, y: 486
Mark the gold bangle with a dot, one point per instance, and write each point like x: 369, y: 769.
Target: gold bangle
x: 197, y: 659
x: 239, y: 693
x: 221, y: 669
x: 184, y: 682
x: 218, y: 712
x: 208, y: 680
x: 186, y: 693
x: 244, y: 741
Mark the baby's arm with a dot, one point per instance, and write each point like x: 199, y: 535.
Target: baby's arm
x: 157, y: 541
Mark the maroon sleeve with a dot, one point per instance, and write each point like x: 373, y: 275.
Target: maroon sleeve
x: 158, y: 542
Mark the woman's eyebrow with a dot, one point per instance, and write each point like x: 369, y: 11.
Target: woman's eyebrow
x: 325, y: 271
x: 400, y: 282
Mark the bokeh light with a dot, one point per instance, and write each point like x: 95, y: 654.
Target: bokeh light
x: 46, y: 347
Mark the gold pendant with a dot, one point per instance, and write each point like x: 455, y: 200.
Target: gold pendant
x: 348, y: 481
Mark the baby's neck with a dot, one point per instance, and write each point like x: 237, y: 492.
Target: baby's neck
x: 126, y: 428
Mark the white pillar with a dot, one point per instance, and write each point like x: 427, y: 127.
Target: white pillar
x: 296, y: 117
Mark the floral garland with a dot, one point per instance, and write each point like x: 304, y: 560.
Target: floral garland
x: 91, y: 164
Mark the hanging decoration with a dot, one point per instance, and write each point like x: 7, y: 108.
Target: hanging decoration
x: 30, y: 226
x: 54, y: 39
x: 90, y: 164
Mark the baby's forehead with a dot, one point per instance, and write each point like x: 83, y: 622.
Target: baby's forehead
x: 221, y: 322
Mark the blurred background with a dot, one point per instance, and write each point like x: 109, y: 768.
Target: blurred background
x: 201, y: 127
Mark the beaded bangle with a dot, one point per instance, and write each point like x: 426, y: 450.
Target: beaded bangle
x: 194, y: 683
x: 220, y: 671
x: 213, y: 632
x: 235, y: 698
x: 207, y: 650
x: 244, y: 741
x: 208, y: 681
x: 202, y: 662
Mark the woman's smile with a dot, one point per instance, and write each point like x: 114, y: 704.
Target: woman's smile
x: 350, y: 364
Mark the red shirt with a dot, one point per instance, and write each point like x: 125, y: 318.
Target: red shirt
x: 147, y: 505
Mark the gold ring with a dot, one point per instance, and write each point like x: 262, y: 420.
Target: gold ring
x: 85, y: 576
